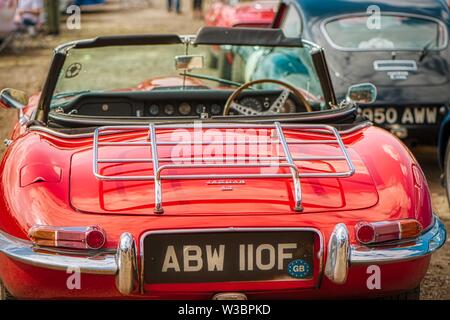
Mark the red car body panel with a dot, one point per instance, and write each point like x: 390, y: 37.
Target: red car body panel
x: 89, y: 195
x: 248, y: 14
x: 398, y: 195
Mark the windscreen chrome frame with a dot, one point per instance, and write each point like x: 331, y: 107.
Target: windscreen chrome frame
x: 60, y: 53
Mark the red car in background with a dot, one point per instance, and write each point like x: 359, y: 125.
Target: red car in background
x: 232, y: 13
x: 241, y: 14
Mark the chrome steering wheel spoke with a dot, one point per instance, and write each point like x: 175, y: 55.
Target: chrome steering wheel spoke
x: 241, y: 109
x: 277, y: 105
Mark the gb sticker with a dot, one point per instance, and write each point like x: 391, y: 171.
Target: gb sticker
x: 299, y: 269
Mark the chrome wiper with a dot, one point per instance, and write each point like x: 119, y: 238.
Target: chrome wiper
x: 69, y: 94
x: 204, y: 77
x: 426, y: 49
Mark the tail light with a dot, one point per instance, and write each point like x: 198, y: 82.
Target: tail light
x: 376, y: 232
x: 68, y: 237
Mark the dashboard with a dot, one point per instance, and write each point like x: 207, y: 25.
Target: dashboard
x: 212, y: 108
x: 196, y: 104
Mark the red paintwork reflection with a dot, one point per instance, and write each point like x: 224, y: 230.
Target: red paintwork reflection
x: 167, y: 82
x: 40, y: 172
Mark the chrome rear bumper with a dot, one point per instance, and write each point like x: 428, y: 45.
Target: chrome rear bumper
x: 426, y: 244
x: 122, y: 263
x: 342, y: 255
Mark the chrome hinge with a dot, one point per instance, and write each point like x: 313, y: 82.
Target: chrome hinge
x: 7, y: 142
x: 23, y: 120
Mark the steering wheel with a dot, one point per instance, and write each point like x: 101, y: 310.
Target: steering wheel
x: 276, y: 106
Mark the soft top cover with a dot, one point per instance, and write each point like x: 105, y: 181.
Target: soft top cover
x: 245, y: 36
x: 206, y: 36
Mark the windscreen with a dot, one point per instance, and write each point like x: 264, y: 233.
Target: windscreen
x: 157, y: 67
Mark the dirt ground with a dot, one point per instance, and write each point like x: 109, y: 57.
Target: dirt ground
x: 27, y: 71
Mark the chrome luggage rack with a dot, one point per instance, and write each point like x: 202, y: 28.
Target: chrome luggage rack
x: 286, y: 161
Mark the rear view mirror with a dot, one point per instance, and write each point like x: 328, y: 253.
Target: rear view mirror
x: 365, y: 93
x: 189, y: 62
x: 13, y: 99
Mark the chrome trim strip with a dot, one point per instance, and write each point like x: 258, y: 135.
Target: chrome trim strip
x: 314, y: 116
x: 180, y: 143
x: 426, y: 244
x: 61, y: 135
x: 395, y: 65
x: 233, y: 229
x: 388, y: 13
x: 286, y: 161
x: 194, y: 159
x: 336, y: 268
x: 311, y: 44
x: 25, y: 252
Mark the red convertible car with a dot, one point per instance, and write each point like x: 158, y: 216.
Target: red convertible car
x: 138, y: 173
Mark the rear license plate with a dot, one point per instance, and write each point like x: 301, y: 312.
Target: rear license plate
x: 228, y: 256
x: 402, y: 115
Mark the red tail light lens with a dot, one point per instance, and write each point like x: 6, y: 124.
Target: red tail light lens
x: 377, y: 232
x: 365, y: 233
x: 95, y: 239
x: 68, y: 237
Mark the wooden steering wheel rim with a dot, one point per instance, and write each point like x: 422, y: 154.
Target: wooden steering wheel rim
x: 238, y: 91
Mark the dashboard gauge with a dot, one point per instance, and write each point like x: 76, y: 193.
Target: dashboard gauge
x: 267, y: 103
x: 216, y: 109
x: 169, y: 109
x: 200, y: 108
x: 252, y: 103
x: 184, y: 109
x: 154, y: 110
x: 289, y: 107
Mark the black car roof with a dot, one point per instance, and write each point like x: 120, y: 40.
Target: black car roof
x: 318, y: 9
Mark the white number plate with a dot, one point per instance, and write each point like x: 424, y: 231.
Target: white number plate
x: 408, y: 115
